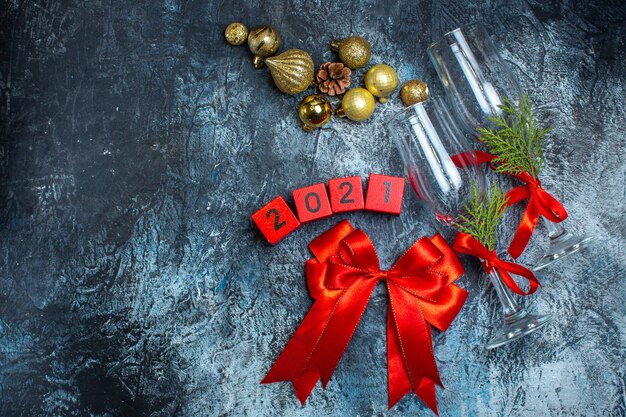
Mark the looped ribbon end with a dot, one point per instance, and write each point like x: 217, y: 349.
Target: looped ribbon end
x: 341, y: 277
x: 540, y: 202
x: 469, y: 245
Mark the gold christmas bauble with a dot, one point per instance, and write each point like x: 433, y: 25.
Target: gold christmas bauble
x: 413, y: 92
x: 354, y: 52
x: 314, y: 111
x: 263, y: 41
x: 292, y: 70
x: 358, y: 104
x: 236, y: 33
x: 381, y: 80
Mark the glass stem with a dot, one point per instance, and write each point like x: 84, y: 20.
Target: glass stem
x: 510, y: 307
x: 554, y: 229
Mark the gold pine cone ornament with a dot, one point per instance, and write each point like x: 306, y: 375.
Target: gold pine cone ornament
x: 263, y: 41
x: 314, y: 111
x: 292, y: 70
x: 381, y: 80
x: 358, y: 104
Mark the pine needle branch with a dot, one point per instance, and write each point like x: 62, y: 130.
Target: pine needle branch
x: 484, y: 215
x: 517, y: 140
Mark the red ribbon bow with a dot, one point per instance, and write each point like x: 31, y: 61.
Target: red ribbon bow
x: 469, y: 245
x: 341, y: 278
x: 540, y: 202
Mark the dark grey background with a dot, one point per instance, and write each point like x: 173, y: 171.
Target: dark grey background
x: 136, y: 143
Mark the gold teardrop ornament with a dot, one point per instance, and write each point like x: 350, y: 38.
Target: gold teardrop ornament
x: 263, y: 41
x: 413, y: 92
x: 314, y: 111
x: 357, y: 104
x: 381, y: 80
x: 292, y: 70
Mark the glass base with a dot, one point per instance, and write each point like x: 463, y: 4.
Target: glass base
x: 517, y: 325
x: 561, y: 246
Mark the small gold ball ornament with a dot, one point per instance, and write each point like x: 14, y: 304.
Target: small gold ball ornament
x: 381, y: 80
x: 358, y: 104
x: 354, y: 52
x: 413, y: 92
x: 263, y: 41
x: 292, y: 70
x: 314, y: 111
x: 236, y: 33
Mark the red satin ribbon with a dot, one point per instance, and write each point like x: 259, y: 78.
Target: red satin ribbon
x: 466, y: 159
x: 469, y: 245
x: 540, y: 202
x: 341, y: 277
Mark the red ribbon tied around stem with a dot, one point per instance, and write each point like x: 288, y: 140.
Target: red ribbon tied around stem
x: 464, y: 243
x: 540, y: 202
x: 341, y: 277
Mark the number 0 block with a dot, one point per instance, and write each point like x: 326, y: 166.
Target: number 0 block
x: 384, y: 194
x: 312, y: 203
x: 275, y: 220
x: 346, y: 194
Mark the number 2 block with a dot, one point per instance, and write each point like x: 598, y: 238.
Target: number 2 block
x: 384, y: 194
x: 275, y: 220
x: 312, y: 203
x: 346, y: 194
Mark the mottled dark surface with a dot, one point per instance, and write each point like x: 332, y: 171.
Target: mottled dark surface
x: 135, y: 143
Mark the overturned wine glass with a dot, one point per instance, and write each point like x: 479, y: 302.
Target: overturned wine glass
x: 432, y: 148
x: 477, y: 81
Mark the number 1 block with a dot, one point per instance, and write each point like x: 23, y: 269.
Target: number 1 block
x: 312, y: 203
x: 346, y: 194
x: 275, y: 220
x: 384, y: 194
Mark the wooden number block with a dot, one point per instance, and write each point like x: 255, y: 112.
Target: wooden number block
x: 346, y: 194
x: 384, y: 194
x: 312, y: 203
x: 275, y: 220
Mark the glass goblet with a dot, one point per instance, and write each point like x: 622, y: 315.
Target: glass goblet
x: 476, y: 79
x: 427, y: 137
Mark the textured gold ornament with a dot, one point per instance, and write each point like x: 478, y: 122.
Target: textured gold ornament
x: 381, y: 80
x: 413, y: 92
x: 358, y: 104
x: 263, y: 41
x: 314, y: 111
x: 236, y: 33
x: 292, y: 70
x: 354, y: 51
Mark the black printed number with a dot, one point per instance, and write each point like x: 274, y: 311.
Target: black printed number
x: 307, y: 202
x: 345, y: 199
x: 277, y: 223
x: 387, y: 190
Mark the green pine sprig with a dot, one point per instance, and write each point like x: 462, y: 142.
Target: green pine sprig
x: 483, y: 215
x: 517, y: 140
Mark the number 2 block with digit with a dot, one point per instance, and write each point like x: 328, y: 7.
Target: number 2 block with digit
x: 346, y: 194
x: 275, y: 220
x: 384, y: 194
x: 312, y: 203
